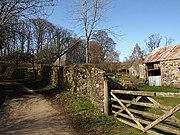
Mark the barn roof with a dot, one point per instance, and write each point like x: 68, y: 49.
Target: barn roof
x: 164, y: 54
x: 69, y: 48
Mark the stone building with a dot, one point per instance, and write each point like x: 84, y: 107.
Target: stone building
x: 73, y: 55
x: 163, y: 66
x: 137, y: 69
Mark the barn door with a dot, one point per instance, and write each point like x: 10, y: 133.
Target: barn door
x: 154, y: 80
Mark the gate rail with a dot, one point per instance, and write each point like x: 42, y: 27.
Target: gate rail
x: 130, y: 107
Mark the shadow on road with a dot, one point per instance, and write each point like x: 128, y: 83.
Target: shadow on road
x: 11, y: 89
x: 27, y: 111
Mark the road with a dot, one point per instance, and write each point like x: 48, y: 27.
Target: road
x: 26, y: 112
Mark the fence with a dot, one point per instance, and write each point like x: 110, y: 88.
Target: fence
x: 142, y: 110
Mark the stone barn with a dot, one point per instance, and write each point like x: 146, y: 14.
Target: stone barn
x: 73, y: 55
x: 137, y: 69
x: 163, y: 66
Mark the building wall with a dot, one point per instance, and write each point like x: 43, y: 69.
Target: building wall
x: 76, y: 55
x: 61, y: 61
x: 137, y: 70
x: 170, y: 73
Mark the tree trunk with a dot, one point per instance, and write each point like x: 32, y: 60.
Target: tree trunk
x: 34, y: 70
x: 5, y: 51
x: 22, y: 47
x: 8, y: 50
x: 87, y: 51
x: 29, y: 42
x: 1, y: 52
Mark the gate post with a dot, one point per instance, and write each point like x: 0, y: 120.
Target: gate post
x: 106, y: 98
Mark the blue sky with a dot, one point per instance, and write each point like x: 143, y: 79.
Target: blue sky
x: 136, y: 20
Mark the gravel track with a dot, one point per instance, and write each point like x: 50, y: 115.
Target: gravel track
x: 27, y: 113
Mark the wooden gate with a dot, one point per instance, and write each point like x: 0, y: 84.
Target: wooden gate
x: 142, y: 110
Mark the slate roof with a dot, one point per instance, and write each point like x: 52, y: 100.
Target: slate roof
x: 165, y: 53
x: 69, y: 48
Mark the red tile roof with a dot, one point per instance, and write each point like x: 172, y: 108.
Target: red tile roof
x: 164, y: 54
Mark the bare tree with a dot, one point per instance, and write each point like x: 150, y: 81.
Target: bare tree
x: 168, y: 41
x: 11, y: 9
x: 137, y: 54
x: 62, y: 39
x: 2, y: 41
x: 112, y: 56
x: 89, y: 13
x: 29, y: 36
x: 22, y: 33
x: 8, y: 40
x: 39, y: 30
x: 153, y: 42
x: 136, y: 57
x: 96, y: 53
x: 102, y: 38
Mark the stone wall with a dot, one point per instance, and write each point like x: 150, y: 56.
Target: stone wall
x: 46, y: 73
x: 170, y: 73
x: 82, y: 80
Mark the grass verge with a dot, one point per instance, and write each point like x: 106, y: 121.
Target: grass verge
x: 89, y: 120
x: 162, y: 100
x: 156, y: 88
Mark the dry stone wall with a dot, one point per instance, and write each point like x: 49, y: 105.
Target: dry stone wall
x: 170, y: 73
x: 82, y: 80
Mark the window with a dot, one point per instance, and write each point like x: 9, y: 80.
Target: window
x: 154, y: 72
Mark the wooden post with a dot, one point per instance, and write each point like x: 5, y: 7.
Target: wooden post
x: 106, y: 98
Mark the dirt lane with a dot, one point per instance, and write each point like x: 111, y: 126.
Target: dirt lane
x: 28, y: 113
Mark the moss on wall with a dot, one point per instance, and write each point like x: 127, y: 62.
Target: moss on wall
x: 82, y: 80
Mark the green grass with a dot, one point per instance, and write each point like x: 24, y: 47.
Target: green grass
x: 162, y: 100
x: 156, y: 88
x: 131, y: 131
x: 90, y: 120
